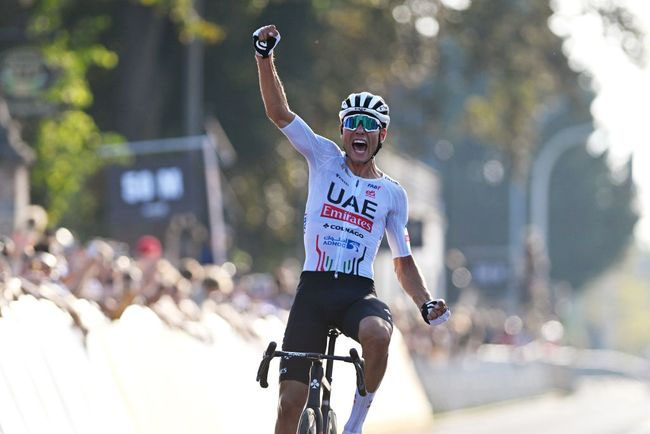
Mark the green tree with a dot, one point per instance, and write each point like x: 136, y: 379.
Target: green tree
x: 66, y: 142
x: 70, y: 33
x: 499, y: 78
x: 592, y: 216
x: 486, y: 74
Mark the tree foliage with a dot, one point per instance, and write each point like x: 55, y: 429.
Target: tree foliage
x: 72, y: 38
x: 191, y: 24
x: 67, y: 142
x: 592, y: 216
x: 487, y: 74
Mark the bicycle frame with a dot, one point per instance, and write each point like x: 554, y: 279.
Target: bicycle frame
x: 327, y: 384
x: 316, y: 383
x: 319, y: 380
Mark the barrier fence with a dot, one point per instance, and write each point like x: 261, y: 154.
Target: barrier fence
x: 138, y: 376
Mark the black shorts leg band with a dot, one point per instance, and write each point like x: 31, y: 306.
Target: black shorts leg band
x: 370, y: 305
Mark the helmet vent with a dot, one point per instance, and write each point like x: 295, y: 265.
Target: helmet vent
x: 366, y: 103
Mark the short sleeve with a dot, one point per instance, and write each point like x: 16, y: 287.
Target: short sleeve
x: 316, y: 149
x: 396, y: 232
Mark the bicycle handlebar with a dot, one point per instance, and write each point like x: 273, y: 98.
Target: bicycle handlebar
x: 270, y: 353
x: 263, y: 371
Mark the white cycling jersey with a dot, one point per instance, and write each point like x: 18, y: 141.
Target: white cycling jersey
x: 346, y: 216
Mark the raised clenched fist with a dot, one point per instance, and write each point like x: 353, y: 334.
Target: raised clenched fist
x: 265, y: 39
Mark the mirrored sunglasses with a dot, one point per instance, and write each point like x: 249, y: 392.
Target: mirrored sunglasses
x: 369, y: 124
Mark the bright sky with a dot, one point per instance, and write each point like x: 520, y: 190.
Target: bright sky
x: 622, y: 106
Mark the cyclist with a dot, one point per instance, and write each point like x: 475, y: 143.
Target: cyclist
x: 350, y: 204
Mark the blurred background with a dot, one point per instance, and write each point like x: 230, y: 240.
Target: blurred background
x: 151, y: 215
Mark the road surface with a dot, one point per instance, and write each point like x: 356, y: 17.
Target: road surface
x: 599, y: 405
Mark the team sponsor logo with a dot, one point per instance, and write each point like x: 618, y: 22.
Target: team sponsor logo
x: 374, y: 186
x: 327, y: 263
x: 341, y: 242
x: 367, y: 208
x: 371, y: 193
x: 336, y: 213
x: 336, y: 227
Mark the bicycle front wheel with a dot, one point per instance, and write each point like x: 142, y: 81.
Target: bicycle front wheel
x: 309, y: 422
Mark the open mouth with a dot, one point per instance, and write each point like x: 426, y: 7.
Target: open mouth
x: 359, y: 146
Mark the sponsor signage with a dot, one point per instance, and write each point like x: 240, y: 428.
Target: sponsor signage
x: 145, y: 196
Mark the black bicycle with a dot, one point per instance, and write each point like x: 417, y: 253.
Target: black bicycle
x: 316, y: 416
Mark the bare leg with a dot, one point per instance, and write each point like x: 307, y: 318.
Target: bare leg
x: 374, y: 335
x: 293, y: 395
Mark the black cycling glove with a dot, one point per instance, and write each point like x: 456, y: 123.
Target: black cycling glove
x: 428, y: 307
x: 264, y: 48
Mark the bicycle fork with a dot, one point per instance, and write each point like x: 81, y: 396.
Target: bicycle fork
x: 318, y: 382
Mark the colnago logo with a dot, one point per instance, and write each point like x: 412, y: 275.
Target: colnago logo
x: 341, y: 228
x: 341, y: 242
x: 314, y: 384
x: 333, y: 212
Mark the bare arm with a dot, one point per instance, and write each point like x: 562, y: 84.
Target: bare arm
x: 275, y: 100
x: 411, y: 279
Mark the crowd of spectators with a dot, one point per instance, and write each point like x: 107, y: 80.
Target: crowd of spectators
x: 53, y: 264
x: 474, y: 324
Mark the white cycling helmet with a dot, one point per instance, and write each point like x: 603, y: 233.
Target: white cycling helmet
x: 365, y: 103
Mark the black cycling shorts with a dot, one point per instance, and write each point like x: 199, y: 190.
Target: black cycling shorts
x: 323, y: 301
